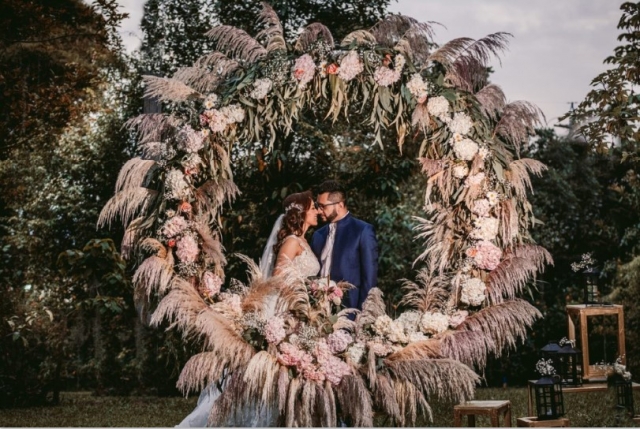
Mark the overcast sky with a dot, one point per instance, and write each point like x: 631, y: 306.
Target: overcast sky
x: 557, y: 49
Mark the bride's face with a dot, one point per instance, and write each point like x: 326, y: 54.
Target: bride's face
x: 311, y: 217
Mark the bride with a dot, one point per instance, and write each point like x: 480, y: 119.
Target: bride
x: 286, y: 250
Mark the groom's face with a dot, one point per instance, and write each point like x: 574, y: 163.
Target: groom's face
x: 328, y: 209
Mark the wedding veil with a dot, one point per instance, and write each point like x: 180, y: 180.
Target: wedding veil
x: 268, y: 260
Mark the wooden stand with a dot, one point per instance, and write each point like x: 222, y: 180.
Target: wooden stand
x: 580, y: 313
x: 482, y: 408
x: 533, y: 422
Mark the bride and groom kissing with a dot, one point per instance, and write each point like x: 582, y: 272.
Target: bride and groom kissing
x: 345, y: 249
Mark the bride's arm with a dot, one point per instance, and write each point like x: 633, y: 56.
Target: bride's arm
x: 289, y: 250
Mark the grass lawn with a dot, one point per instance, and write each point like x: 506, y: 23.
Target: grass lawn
x: 595, y: 409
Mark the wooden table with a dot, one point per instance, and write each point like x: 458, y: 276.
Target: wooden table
x: 585, y: 388
x: 493, y: 409
x: 533, y: 422
x: 579, y: 313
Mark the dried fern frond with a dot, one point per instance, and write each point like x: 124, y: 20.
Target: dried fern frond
x: 126, y: 204
x: 430, y: 166
x: 509, y: 220
x: 221, y: 65
x: 261, y: 378
x: 429, y: 294
x: 467, y: 74
x: 212, y: 194
x: 200, y: 79
x: 200, y: 371
x: 518, y: 121
x: 478, y: 336
x: 492, y: 100
x: 359, y: 37
x: 372, y: 308
x: 134, y: 173
x: 311, y: 34
x: 154, y: 274
x: 272, y: 32
x: 518, y: 174
x: 428, y: 349
x: 447, y: 379
x: 420, y: 118
x: 153, y: 127
x: 181, y: 306
x: 355, y: 401
x: 393, y: 28
x: 167, y: 89
x: 447, y: 53
x: 130, y: 238
x: 237, y: 44
x: 211, y: 246
x: 384, y: 397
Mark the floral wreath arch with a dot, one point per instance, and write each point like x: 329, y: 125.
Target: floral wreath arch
x: 279, y: 342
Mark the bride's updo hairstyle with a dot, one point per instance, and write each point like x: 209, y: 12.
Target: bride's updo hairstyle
x: 295, y: 210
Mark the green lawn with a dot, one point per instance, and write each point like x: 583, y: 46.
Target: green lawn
x: 594, y: 409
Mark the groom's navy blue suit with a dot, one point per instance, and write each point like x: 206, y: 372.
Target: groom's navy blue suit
x: 354, y: 258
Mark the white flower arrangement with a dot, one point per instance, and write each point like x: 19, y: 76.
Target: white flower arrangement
x: 176, y: 186
x: 486, y: 228
x: 434, y: 323
x: 417, y: 86
x: 210, y: 101
x: 261, y: 88
x: 493, y: 197
x: 465, y: 149
x: 384, y: 76
x: 460, y: 171
x: 587, y: 262
x: 473, y: 291
x: 481, y: 207
x: 545, y: 368
x: 438, y: 106
x: 461, y: 123
x: 303, y: 70
x: 234, y: 113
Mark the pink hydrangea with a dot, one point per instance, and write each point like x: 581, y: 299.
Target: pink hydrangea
x: 487, y: 255
x: 274, y: 330
x: 338, y: 341
x: 217, y: 120
x: 174, y: 226
x: 384, y: 76
x: 350, y: 66
x: 187, y: 249
x: 289, y: 355
x: 334, y: 369
x: 212, y: 284
x: 304, y: 69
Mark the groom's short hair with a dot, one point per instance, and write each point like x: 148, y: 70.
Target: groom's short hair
x: 336, y: 191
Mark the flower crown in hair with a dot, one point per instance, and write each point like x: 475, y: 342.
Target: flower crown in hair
x: 293, y: 206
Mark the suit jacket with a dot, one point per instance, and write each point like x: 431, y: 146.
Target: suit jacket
x: 354, y: 258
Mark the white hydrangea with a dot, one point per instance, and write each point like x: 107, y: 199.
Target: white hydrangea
x: 461, y: 123
x: 465, y: 149
x: 483, y: 152
x: 356, y: 352
x: 381, y: 325
x: 190, y: 140
x: 460, y: 171
x: 395, y: 333
x: 486, y: 228
x: 481, y: 207
x: 473, y: 291
x: 434, y: 323
x: 261, y: 88
x: 438, y: 106
x: 475, y: 179
x: 175, y: 186
x: 410, y: 320
x: 210, y: 101
x: 234, y: 113
x: 417, y: 336
x: 416, y: 85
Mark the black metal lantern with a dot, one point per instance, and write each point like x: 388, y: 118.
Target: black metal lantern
x: 549, y: 399
x: 550, y: 352
x: 624, y: 394
x: 569, y: 362
x: 590, y: 286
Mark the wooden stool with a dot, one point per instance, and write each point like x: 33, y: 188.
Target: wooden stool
x: 533, y: 422
x: 482, y: 408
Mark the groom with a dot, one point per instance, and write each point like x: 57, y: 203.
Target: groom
x: 346, y: 247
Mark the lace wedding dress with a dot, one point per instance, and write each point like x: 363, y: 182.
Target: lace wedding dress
x: 304, y: 265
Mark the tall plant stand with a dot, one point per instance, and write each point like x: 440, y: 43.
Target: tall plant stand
x: 579, y: 313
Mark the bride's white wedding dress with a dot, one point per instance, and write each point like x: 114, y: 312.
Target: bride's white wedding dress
x: 304, y: 265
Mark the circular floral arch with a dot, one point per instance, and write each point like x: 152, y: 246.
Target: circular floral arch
x: 282, y: 344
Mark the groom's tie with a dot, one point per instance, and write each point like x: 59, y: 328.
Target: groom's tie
x: 327, y: 251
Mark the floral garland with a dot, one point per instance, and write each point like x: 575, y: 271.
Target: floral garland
x: 280, y: 339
